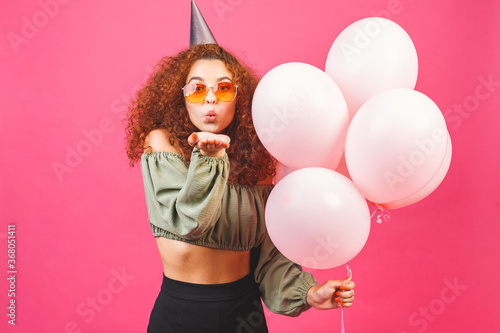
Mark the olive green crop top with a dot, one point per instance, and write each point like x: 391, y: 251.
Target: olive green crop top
x: 194, y: 203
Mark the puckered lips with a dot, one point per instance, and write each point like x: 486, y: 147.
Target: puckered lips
x: 211, y: 116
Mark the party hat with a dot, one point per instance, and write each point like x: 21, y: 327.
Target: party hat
x: 200, y: 32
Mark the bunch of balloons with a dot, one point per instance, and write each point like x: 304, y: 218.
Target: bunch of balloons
x: 357, y: 131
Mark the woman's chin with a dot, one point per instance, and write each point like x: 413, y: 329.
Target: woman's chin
x: 211, y: 127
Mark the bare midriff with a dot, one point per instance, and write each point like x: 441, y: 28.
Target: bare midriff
x: 202, y: 265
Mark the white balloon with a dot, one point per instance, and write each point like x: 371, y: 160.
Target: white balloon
x: 396, y: 144
x: 430, y: 186
x: 317, y: 218
x: 300, y: 116
x: 370, y: 56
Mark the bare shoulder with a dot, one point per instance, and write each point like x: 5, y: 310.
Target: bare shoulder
x: 157, y: 140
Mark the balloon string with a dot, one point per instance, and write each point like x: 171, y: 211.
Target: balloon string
x: 383, y: 216
x: 342, y: 330
x: 349, y: 273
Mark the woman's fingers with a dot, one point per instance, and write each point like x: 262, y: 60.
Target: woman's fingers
x: 210, y: 141
x: 347, y: 285
x: 222, y: 141
x: 210, y: 144
x: 193, y: 139
x: 346, y: 299
x: 346, y: 304
x: 345, y: 294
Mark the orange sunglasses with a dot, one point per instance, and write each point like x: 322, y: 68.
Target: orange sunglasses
x: 196, y: 92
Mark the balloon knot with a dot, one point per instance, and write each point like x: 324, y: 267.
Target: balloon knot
x: 383, y: 214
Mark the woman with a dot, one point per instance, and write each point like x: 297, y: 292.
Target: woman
x: 207, y: 178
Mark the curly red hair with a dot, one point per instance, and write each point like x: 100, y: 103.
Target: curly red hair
x: 160, y: 105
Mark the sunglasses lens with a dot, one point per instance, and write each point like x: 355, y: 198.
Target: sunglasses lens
x: 195, y: 93
x: 226, y: 91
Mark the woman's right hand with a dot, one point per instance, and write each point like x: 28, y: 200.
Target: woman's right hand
x: 210, y: 144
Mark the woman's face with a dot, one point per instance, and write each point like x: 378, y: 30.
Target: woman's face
x: 210, y: 115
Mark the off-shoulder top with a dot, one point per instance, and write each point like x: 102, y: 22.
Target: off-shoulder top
x: 194, y: 203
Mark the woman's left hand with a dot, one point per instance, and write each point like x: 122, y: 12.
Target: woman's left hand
x: 332, y: 294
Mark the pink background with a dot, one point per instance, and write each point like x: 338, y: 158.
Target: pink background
x: 68, y: 78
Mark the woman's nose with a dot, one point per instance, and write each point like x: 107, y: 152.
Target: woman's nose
x: 210, y: 98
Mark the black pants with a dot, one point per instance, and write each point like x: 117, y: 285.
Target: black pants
x: 183, y: 307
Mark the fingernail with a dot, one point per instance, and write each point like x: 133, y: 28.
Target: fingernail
x: 340, y: 303
x: 337, y: 293
x: 347, y: 277
x: 337, y: 299
x: 343, y: 288
x: 210, y: 141
x: 194, y: 136
x: 216, y: 142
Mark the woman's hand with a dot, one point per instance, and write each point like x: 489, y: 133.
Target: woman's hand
x: 332, y: 294
x: 210, y: 144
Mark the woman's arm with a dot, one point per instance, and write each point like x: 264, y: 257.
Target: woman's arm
x: 282, y: 283
x: 183, y: 199
x: 286, y: 289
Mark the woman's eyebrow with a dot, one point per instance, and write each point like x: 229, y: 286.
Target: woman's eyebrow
x: 224, y: 78
x: 218, y: 80
x: 195, y: 78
